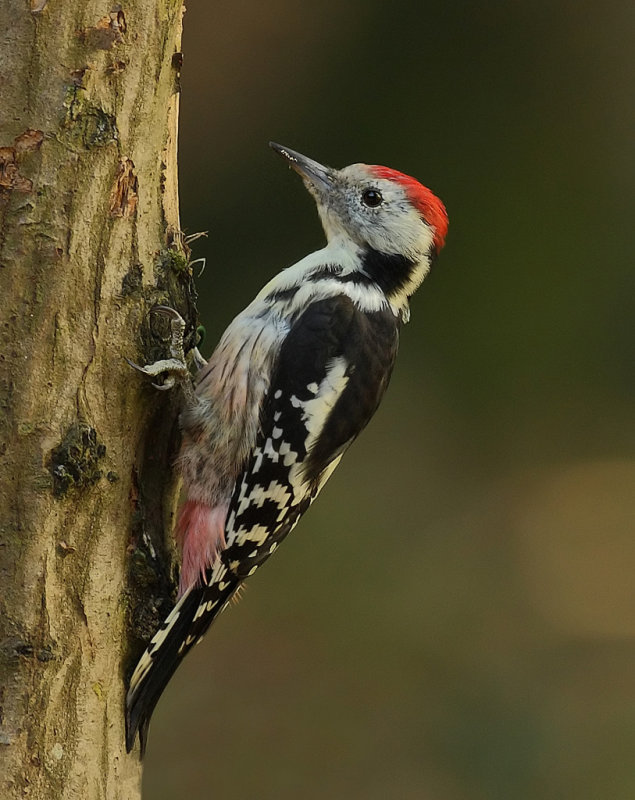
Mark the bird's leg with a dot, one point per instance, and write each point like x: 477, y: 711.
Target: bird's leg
x: 174, y: 368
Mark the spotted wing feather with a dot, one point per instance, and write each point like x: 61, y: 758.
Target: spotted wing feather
x: 332, y: 372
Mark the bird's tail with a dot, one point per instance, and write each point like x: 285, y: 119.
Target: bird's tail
x: 181, y: 630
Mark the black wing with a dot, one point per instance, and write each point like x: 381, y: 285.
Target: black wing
x: 332, y: 371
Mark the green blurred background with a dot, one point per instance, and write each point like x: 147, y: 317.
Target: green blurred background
x: 455, y: 618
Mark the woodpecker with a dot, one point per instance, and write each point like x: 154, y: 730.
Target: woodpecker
x: 295, y: 378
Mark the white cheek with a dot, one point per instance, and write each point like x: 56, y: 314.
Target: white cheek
x: 424, y: 240
x: 399, y: 232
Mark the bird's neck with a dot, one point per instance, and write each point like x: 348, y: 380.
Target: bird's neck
x: 397, y: 276
x: 370, y: 278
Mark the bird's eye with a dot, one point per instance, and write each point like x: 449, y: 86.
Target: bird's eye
x: 372, y: 198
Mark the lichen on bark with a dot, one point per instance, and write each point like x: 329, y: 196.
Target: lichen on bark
x: 89, y: 241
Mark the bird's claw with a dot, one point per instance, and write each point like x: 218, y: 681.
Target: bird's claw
x: 174, y: 367
x: 168, y: 311
x: 177, y: 327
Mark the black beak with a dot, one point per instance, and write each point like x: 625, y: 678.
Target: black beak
x: 312, y: 173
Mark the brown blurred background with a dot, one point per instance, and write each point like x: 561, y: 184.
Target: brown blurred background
x: 455, y: 618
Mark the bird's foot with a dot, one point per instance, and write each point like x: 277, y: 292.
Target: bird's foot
x: 174, y: 368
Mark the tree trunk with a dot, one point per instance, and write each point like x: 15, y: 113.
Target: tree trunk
x: 89, y: 242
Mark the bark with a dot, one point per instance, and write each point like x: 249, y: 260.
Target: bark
x: 89, y: 241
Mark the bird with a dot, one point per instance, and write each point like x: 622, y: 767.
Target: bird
x: 292, y: 382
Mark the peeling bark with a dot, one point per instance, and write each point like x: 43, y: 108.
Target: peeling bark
x: 89, y: 242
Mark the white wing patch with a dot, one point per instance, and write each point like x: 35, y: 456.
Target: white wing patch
x: 315, y: 412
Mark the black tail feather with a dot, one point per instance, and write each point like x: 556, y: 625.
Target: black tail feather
x: 178, y: 634
x: 143, y: 697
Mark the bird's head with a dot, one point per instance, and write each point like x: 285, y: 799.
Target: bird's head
x: 390, y: 218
